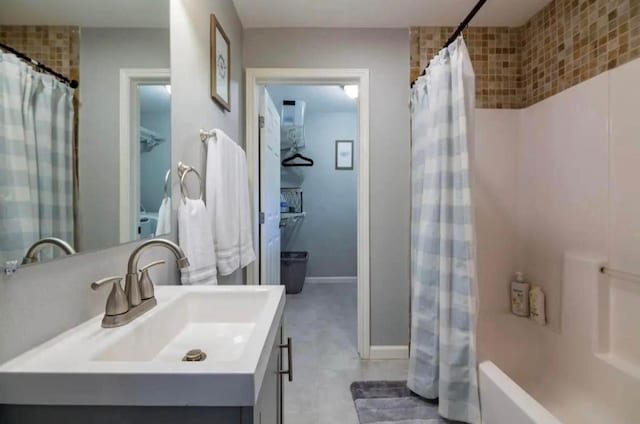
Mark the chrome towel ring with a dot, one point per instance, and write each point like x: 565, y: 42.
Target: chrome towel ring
x: 183, y: 170
x: 167, y: 180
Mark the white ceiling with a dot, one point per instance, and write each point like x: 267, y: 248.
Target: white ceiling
x: 87, y: 13
x: 382, y: 13
x: 318, y: 98
x: 273, y: 13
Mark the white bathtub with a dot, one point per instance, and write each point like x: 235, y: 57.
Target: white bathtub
x: 504, y: 402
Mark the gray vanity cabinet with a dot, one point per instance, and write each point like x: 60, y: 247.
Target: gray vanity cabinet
x: 267, y: 410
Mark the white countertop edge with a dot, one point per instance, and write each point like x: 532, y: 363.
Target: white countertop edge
x: 199, y: 386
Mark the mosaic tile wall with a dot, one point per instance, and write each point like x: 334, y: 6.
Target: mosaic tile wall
x: 58, y: 47
x: 567, y: 42
x: 494, y: 52
x: 570, y: 41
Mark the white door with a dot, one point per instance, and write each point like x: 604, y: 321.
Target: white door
x: 269, y: 191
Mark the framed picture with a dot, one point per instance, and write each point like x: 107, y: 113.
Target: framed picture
x: 220, y: 65
x: 344, y: 154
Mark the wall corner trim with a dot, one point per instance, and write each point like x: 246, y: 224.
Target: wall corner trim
x: 389, y: 352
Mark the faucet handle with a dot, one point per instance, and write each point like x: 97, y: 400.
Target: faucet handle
x: 146, y: 285
x: 152, y: 264
x: 117, y: 301
x: 97, y: 284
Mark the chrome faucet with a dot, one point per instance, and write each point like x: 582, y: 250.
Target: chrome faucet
x: 34, y: 250
x: 138, y: 296
x: 132, y: 286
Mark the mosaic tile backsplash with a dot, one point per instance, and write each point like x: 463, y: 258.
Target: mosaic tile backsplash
x: 567, y: 42
x: 58, y: 47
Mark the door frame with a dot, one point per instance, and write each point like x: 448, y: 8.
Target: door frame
x: 256, y: 77
x: 130, y: 79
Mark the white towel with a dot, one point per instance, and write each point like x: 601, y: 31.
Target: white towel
x: 164, y: 217
x: 228, y: 204
x: 195, y: 238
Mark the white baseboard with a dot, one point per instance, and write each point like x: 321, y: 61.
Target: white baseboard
x: 389, y: 352
x: 331, y: 280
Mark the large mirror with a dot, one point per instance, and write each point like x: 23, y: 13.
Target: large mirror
x: 85, y: 137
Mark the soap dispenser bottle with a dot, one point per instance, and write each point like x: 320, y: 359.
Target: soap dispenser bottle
x: 520, y: 296
x: 537, y: 302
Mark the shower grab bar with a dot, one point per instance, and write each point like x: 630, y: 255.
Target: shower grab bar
x: 620, y: 274
x: 183, y: 170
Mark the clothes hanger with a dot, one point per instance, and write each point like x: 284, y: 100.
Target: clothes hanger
x: 288, y: 161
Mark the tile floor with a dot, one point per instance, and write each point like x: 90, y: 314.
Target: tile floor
x: 322, y: 323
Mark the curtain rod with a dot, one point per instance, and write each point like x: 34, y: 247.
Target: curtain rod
x: 464, y: 24
x: 40, y: 66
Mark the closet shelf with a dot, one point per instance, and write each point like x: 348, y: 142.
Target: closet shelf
x: 291, y: 218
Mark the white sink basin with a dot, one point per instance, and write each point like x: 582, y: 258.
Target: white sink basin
x: 141, y: 362
x: 219, y: 323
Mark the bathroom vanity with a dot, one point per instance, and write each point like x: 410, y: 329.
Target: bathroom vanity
x: 139, y: 372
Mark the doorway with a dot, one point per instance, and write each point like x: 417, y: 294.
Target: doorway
x: 266, y: 209
x: 145, y: 149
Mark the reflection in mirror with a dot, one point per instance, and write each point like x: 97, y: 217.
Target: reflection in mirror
x: 64, y: 148
x: 155, y: 159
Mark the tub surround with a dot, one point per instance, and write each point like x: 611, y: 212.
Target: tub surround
x: 575, y: 170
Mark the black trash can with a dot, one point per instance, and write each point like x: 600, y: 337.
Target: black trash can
x: 293, y: 270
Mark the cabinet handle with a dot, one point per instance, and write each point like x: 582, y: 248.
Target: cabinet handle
x: 289, y: 347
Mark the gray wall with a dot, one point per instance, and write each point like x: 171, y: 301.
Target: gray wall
x: 42, y: 301
x: 329, y: 231
x: 385, y: 52
x: 191, y: 106
x: 103, y: 52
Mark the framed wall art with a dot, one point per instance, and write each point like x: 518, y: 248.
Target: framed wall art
x: 220, y: 65
x: 344, y: 154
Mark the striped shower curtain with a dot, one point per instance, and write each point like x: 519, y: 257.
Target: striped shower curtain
x: 443, y: 348
x: 36, y: 158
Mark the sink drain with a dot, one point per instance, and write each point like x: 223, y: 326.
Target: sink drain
x: 195, y: 355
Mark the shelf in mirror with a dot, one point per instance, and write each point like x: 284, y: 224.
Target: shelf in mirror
x: 291, y: 218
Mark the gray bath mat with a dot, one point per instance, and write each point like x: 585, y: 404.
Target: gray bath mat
x: 391, y: 402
